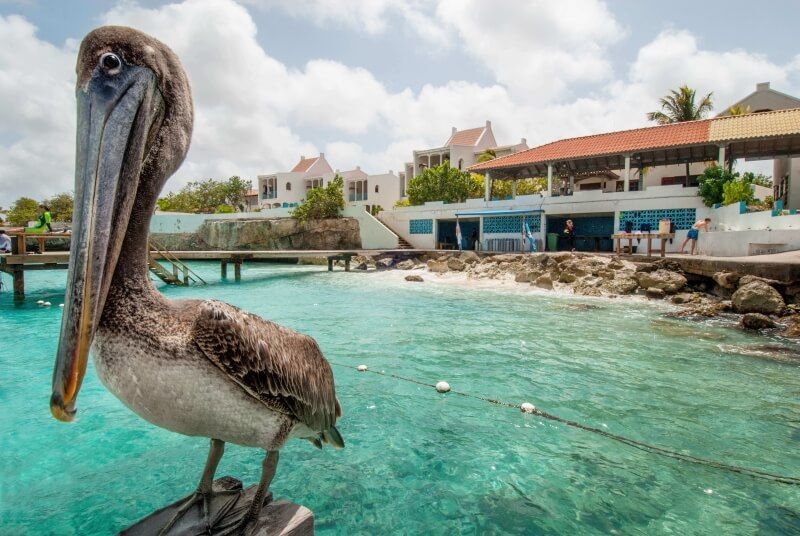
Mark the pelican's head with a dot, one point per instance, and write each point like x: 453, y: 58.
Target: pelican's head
x: 135, y: 121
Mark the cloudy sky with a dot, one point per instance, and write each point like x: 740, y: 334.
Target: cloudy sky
x: 367, y: 81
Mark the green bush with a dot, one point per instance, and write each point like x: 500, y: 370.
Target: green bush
x: 712, y: 184
x: 443, y: 183
x: 736, y: 191
x: 224, y: 209
x: 321, y: 203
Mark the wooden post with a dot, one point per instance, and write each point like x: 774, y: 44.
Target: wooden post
x: 185, y: 275
x: 223, y: 266
x: 330, y: 264
x: 19, y: 282
x: 347, y: 264
x: 237, y: 270
x: 649, y: 244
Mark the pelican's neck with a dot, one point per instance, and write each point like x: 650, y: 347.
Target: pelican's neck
x: 131, y: 273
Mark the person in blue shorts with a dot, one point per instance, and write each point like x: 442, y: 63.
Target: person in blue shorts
x: 694, y: 233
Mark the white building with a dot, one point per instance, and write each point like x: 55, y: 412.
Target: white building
x: 461, y: 149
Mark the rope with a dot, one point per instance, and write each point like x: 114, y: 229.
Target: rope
x: 646, y: 447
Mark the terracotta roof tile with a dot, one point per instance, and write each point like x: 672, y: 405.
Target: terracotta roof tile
x: 304, y: 164
x: 467, y: 137
x: 705, y: 131
x: 662, y: 136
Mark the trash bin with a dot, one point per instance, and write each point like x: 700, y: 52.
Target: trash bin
x: 552, y: 241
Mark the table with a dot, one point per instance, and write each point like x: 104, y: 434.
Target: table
x: 618, y: 237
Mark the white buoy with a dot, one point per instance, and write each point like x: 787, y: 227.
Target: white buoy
x: 442, y: 387
x: 527, y: 407
x: 47, y: 304
x: 61, y: 305
x: 362, y: 368
x: 39, y: 302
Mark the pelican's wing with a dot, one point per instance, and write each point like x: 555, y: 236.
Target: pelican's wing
x: 276, y: 365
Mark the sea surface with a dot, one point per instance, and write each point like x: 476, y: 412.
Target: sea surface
x: 420, y: 462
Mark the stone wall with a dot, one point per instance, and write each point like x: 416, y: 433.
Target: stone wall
x: 266, y: 234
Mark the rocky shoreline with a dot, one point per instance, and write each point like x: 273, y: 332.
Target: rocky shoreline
x: 754, y: 303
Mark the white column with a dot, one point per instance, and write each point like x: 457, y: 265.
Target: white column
x: 487, y: 187
x: 514, y: 189
x: 721, y: 159
x: 571, y: 183
x: 627, y: 174
x: 549, y: 179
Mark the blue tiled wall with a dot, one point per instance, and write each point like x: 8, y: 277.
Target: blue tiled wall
x: 682, y: 218
x: 510, y: 224
x: 589, y: 226
x: 420, y: 226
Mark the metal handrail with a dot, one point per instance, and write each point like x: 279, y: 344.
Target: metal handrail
x: 169, y: 257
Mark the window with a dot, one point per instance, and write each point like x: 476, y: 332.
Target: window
x: 357, y: 190
x: 288, y: 186
x: 314, y: 183
x: 376, y: 188
x: 270, y: 190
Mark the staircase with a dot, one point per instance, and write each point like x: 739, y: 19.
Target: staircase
x: 402, y: 244
x: 180, y: 275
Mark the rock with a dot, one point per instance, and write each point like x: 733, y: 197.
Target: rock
x: 544, y: 281
x: 414, y: 278
x: 469, y: 257
x: 669, y: 265
x: 384, y: 264
x: 360, y: 266
x: 757, y: 297
x: 455, y: 264
x: 683, y: 297
x: 276, y: 233
x: 506, y: 257
x: 645, y: 267
x: 561, y: 256
x: 526, y: 276
x: 567, y: 277
x: 726, y: 279
x: 606, y: 274
x: 537, y: 258
x: 757, y: 321
x: 747, y: 279
x: 576, y: 268
x: 438, y: 266
x: 616, y: 265
x: 655, y: 293
x: 669, y: 282
x: 792, y: 327
x: 407, y: 264
x: 721, y: 292
x: 620, y: 285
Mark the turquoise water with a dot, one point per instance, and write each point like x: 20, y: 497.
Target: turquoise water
x: 418, y: 462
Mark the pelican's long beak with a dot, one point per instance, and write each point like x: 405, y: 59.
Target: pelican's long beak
x: 118, y: 115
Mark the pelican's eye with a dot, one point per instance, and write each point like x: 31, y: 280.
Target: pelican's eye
x: 110, y: 62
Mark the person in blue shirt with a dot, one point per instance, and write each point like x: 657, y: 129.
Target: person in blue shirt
x: 5, y: 242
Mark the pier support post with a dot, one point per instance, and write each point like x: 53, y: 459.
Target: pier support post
x: 19, y: 282
x: 347, y: 264
x: 237, y: 270
x: 223, y: 266
x: 330, y: 264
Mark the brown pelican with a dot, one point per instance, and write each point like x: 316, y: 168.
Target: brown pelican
x: 199, y: 368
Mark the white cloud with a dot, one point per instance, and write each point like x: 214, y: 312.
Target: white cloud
x: 254, y: 114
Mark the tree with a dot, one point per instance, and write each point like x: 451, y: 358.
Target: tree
x: 22, y: 211
x: 486, y: 155
x: 442, y: 183
x: 206, y: 196
x: 503, y: 189
x: 757, y: 178
x: 61, y: 207
x: 712, y: 184
x: 321, y: 203
x: 738, y: 109
x: 680, y: 106
x: 736, y: 191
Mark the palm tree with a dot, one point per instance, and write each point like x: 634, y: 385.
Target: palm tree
x: 738, y: 109
x: 487, y: 155
x: 680, y: 106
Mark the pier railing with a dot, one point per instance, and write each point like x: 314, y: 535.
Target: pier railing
x: 181, y: 273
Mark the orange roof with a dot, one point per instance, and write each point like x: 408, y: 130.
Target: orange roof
x: 703, y: 132
x: 304, y: 164
x: 465, y: 137
x: 687, y: 133
x: 250, y: 193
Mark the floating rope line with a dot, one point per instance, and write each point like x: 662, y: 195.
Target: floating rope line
x: 646, y: 447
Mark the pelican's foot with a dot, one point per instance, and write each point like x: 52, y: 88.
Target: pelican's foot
x: 213, y: 507
x: 242, y: 526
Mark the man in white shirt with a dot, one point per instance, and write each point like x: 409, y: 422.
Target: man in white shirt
x: 5, y: 242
